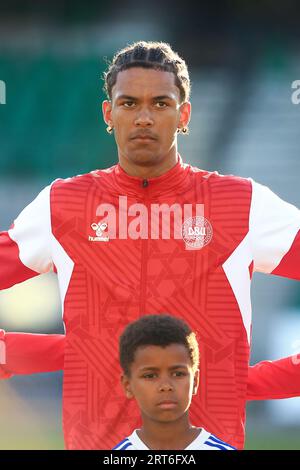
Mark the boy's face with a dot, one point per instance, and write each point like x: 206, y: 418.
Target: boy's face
x: 145, y: 112
x: 162, y: 382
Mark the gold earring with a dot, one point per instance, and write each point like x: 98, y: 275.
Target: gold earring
x: 183, y: 130
x: 109, y: 129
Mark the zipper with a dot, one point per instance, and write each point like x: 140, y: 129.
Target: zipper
x: 144, y: 255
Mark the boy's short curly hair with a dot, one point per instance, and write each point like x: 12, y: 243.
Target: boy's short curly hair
x: 156, y: 330
x: 153, y: 55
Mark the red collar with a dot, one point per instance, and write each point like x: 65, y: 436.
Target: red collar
x: 174, y: 179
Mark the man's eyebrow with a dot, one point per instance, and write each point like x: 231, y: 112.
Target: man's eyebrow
x: 155, y: 98
x: 163, y: 97
x: 126, y: 97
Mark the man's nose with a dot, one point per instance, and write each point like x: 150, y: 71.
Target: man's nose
x: 144, y: 118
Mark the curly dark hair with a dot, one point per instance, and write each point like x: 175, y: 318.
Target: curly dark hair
x: 156, y: 330
x: 152, y: 55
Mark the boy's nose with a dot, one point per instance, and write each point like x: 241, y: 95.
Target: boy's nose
x: 165, y: 386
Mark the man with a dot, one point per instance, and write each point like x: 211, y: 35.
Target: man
x: 151, y: 234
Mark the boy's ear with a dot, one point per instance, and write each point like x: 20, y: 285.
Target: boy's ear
x: 196, y: 382
x: 126, y: 386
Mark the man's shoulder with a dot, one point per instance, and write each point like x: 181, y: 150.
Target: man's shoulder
x: 216, y: 179
x: 82, y: 180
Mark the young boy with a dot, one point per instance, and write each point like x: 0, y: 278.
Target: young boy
x: 159, y: 356
x: 26, y: 353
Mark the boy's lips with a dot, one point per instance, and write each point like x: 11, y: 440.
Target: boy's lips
x: 167, y: 404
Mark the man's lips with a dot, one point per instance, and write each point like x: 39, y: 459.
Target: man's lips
x: 143, y: 137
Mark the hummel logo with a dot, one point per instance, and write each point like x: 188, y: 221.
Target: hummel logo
x: 99, y: 229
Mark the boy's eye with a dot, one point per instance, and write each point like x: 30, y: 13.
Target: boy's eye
x: 179, y: 373
x: 150, y: 375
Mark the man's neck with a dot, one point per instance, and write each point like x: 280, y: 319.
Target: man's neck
x: 147, y: 172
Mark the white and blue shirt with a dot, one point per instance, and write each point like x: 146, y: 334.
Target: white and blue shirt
x: 204, y: 441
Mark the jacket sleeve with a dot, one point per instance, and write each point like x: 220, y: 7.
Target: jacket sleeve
x: 26, y: 353
x: 25, y: 249
x: 274, y: 227
x: 270, y: 380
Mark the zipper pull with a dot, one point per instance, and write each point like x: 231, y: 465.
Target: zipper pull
x: 145, y: 183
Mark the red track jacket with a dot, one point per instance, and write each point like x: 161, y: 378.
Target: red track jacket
x: 117, y: 257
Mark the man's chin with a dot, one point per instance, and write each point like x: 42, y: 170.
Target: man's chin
x: 145, y: 160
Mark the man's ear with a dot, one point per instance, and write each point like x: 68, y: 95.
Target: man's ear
x: 126, y: 386
x: 185, y: 114
x: 196, y: 382
x: 106, y: 110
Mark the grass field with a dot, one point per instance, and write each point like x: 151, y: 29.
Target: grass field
x: 273, y: 441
